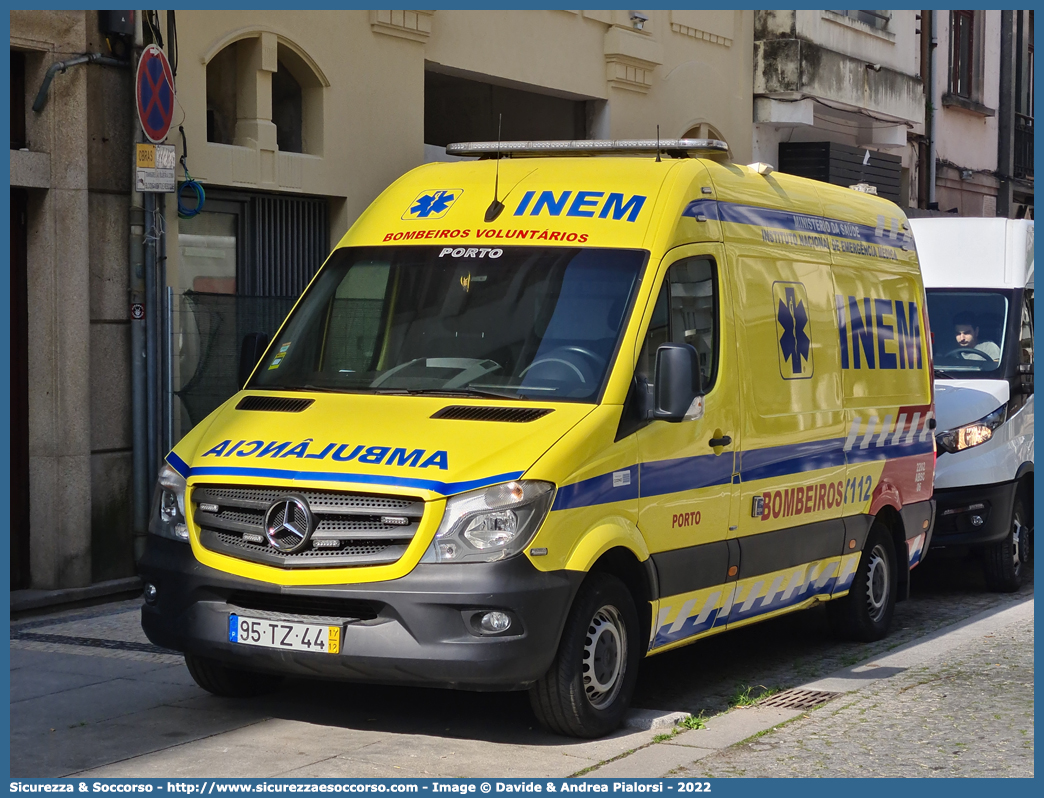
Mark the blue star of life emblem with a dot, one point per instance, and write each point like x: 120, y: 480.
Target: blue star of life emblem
x: 795, y: 342
x: 432, y: 204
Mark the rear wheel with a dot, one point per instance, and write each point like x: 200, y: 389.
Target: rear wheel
x: 221, y: 680
x: 866, y: 612
x: 588, y: 687
x: 1004, y: 561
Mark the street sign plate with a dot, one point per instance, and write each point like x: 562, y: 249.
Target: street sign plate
x: 154, y: 169
x: 154, y: 94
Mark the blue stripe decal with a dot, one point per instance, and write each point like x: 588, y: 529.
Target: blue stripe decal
x: 707, y: 470
x: 787, y: 220
x: 686, y: 473
x: 178, y: 465
x: 597, y: 490
x: 444, y: 488
x: 781, y: 461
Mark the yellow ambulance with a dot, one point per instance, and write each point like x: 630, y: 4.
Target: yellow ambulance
x: 550, y: 410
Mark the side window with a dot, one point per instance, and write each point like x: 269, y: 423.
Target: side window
x: 1026, y: 336
x: 659, y: 333
x: 685, y: 313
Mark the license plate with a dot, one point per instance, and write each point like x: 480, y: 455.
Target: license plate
x: 318, y: 638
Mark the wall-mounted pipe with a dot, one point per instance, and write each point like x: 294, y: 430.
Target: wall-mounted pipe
x: 61, y: 66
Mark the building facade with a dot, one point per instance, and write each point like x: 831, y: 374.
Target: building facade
x: 832, y: 86
x: 292, y: 122
x: 70, y: 190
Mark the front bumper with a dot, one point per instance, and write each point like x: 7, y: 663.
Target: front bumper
x: 419, y: 630
x: 954, y: 521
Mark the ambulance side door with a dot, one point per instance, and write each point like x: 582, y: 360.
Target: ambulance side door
x: 686, y: 468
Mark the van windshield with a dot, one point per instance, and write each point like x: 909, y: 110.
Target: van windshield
x: 513, y: 322
x: 967, y: 332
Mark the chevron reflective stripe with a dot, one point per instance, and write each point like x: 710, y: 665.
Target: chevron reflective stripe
x: 885, y: 429
x: 702, y: 612
x: 927, y: 430
x: 900, y: 425
x: 878, y: 434
x: 915, y: 548
x: 853, y: 433
x: 849, y: 564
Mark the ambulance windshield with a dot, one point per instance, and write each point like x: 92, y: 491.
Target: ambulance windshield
x: 967, y: 331
x: 512, y: 322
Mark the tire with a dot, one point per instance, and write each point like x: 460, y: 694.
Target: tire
x: 221, y: 680
x: 588, y: 687
x: 866, y: 612
x: 1004, y: 562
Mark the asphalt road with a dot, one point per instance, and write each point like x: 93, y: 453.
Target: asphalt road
x: 83, y: 704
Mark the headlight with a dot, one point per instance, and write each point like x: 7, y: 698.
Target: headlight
x: 168, y: 506
x: 490, y: 524
x: 956, y: 440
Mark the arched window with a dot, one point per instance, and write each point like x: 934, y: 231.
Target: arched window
x: 287, y: 110
x: 703, y: 131
x: 221, y: 96
x: 243, y: 72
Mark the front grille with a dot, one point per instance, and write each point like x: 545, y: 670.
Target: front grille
x: 304, y: 605
x: 358, y: 529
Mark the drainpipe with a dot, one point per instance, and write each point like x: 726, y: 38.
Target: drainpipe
x: 61, y: 66
x: 926, y: 80
x: 932, y: 28
x: 136, y: 295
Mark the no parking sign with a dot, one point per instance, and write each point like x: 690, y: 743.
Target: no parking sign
x: 154, y: 91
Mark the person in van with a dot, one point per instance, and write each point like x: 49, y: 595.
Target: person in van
x: 966, y: 332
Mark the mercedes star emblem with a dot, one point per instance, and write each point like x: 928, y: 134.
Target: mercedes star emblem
x: 289, y: 524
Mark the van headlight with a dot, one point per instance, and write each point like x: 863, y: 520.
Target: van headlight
x: 168, y: 506
x: 490, y: 524
x: 974, y: 434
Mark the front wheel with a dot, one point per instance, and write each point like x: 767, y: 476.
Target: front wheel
x: 588, y: 687
x: 1004, y: 560
x: 866, y: 612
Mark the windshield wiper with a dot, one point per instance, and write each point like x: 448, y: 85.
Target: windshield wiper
x: 461, y: 392
x: 309, y: 387
x: 943, y: 374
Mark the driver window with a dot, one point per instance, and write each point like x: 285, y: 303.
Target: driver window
x: 1026, y: 337
x: 685, y: 313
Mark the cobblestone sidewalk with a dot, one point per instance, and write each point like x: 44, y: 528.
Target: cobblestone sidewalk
x: 968, y: 714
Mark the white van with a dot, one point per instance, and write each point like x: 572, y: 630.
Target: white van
x: 978, y: 274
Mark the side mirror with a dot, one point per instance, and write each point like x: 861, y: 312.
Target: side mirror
x: 678, y: 381
x: 254, y: 346
x: 1026, y: 377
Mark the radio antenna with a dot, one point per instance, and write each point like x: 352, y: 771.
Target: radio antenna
x: 495, y: 207
x: 657, y: 144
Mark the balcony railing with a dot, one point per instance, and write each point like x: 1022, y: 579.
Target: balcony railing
x: 1024, y: 146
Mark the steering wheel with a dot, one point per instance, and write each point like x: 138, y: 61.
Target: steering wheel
x: 961, y: 350
x: 575, y: 361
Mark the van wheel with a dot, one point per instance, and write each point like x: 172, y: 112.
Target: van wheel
x: 866, y: 612
x: 1004, y: 560
x: 588, y: 687
x: 224, y: 681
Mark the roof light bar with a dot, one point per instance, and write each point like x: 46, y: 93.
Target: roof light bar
x: 673, y: 147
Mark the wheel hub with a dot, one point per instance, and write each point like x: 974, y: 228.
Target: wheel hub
x: 603, y: 662
x: 1016, y: 540
x: 877, y: 584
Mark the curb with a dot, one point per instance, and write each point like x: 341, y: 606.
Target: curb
x: 23, y: 600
